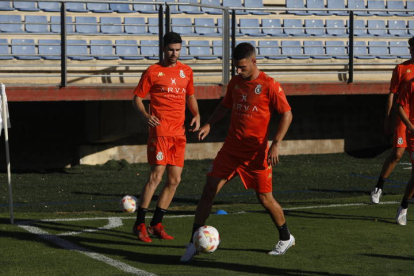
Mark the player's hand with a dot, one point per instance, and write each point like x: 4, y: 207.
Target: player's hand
x: 273, y: 155
x: 196, y: 121
x: 203, y: 132
x: 152, y: 121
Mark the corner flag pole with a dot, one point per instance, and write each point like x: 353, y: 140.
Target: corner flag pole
x: 5, y: 116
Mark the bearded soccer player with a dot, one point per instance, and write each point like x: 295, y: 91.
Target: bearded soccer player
x: 402, y: 73
x: 252, y: 96
x: 170, y: 85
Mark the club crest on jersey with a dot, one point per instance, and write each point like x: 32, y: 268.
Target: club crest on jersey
x: 160, y: 156
x: 400, y: 141
x: 258, y: 89
x: 161, y: 74
x: 182, y: 74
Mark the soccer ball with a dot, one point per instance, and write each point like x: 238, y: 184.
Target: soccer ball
x: 206, y: 239
x: 129, y: 204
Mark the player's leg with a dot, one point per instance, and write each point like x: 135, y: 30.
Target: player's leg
x: 401, y: 217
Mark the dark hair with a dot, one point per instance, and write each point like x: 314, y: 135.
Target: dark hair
x: 411, y: 42
x: 243, y: 50
x: 172, y: 37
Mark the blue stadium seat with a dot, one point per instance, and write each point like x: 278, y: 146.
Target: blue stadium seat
x: 400, y: 49
x: 375, y: 5
x: 218, y: 48
x: 182, y: 26
x: 200, y: 50
x: 270, y: 49
x: 127, y: 49
x: 6, y: 6
x: 135, y: 25
x: 153, y: 25
x: 296, y: 4
x: 358, y: 4
x: 220, y: 26
x: 235, y: 4
x: 98, y: 7
x: 111, y: 25
x: 211, y: 3
x: 50, y: 49
x: 76, y: 7
x: 55, y: 28
x: 254, y: 4
x: 379, y: 49
x: 361, y: 50
x: 149, y: 49
x: 272, y: 27
x: 4, y: 50
x: 77, y: 49
x: 293, y: 49
x: 189, y: 9
x: 102, y: 50
x: 11, y: 23
x: 337, y: 4
x: 316, y: 4
x: 396, y: 5
x: 173, y: 8
x: 336, y: 49
x: 32, y: 27
x: 205, y: 26
x: 315, y: 27
x: 26, y: 6
x: 360, y: 29
x: 294, y: 27
x: 336, y: 27
x: 184, y: 55
x: 397, y: 28
x: 120, y: 7
x: 24, y: 49
x: 315, y: 49
x: 410, y: 7
x: 251, y: 27
x: 377, y: 28
x: 49, y: 6
x: 91, y: 28
x: 146, y: 8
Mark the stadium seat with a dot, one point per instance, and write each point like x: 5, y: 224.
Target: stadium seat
x: 218, y: 48
x: 98, y: 7
x: 77, y: 49
x: 200, y: 49
x: 251, y: 27
x: 55, y: 28
x: 146, y: 8
x: 360, y: 29
x: 255, y: 4
x: 361, y: 51
x: 315, y: 49
x: 205, y: 26
x: 410, y: 7
x: 49, y: 6
x: 375, y: 5
x: 220, y: 27
x: 76, y: 7
x: 6, y: 6
x: 336, y: 49
x: 336, y: 27
x: 379, y: 49
x: 270, y: 49
x: 189, y: 9
x: 182, y: 26
x: 396, y: 5
x: 102, y: 50
x: 32, y: 27
x: 296, y: 4
x: 50, y: 49
x: 400, y: 49
x: 28, y: 6
x: 211, y: 3
x: 135, y: 25
x: 173, y: 8
x: 153, y: 25
x: 316, y: 4
x: 358, y: 4
x: 120, y: 7
x: 24, y: 49
x: 315, y: 27
x: 11, y: 23
x: 4, y: 50
x: 111, y: 25
x: 377, y: 28
x: 411, y: 27
x: 337, y: 4
x: 128, y: 49
x: 91, y: 28
x: 294, y: 27
x: 397, y: 28
x: 293, y: 49
x: 184, y: 55
x: 272, y: 27
x: 235, y: 4
x: 149, y: 49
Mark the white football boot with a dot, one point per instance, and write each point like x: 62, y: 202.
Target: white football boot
x: 375, y: 195
x: 190, y: 252
x: 282, y: 246
x: 401, y: 217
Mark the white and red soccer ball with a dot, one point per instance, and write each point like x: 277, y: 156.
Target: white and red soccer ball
x: 206, y: 239
x: 129, y: 204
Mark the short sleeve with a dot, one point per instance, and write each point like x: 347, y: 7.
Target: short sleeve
x: 395, y: 80
x: 190, y: 87
x: 144, y: 85
x: 406, y: 94
x: 278, y: 98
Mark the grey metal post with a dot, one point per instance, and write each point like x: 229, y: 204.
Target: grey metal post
x: 226, y: 47
x: 233, y: 39
x: 351, y: 48
x: 63, y: 57
x: 160, y: 31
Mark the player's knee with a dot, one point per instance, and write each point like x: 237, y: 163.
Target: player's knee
x: 174, y: 182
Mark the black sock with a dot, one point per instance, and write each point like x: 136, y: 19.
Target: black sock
x: 195, y: 227
x: 284, y: 233
x: 158, y: 216
x: 404, y: 203
x: 141, y: 212
x: 380, y: 183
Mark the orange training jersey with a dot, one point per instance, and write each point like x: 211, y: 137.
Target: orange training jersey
x: 168, y: 88
x: 252, y: 104
x: 402, y: 73
x: 406, y: 99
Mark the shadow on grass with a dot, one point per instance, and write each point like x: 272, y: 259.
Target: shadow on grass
x: 403, y: 258
x: 316, y: 215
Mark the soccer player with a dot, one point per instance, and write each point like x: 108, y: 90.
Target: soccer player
x: 402, y: 73
x: 170, y: 85
x: 406, y: 111
x: 252, y: 96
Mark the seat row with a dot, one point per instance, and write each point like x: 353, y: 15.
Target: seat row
x: 50, y: 49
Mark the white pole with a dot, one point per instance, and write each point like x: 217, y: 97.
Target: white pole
x: 6, y: 140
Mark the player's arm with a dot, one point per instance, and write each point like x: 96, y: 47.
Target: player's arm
x: 273, y: 154
x: 151, y: 120
x: 193, y: 106
x: 388, y: 108
x: 404, y: 118
x: 217, y: 115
